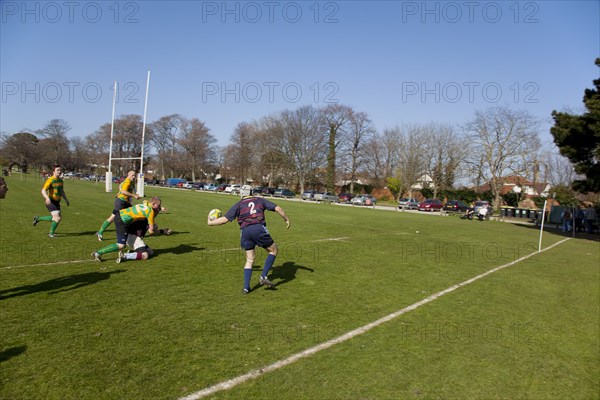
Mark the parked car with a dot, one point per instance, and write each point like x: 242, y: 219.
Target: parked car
x: 431, y: 205
x: 455, y: 206
x: 325, y: 196
x: 174, y: 182
x: 308, y: 195
x: 345, y: 197
x: 256, y: 190
x: 268, y: 191
x: 190, y: 185
x: 363, y: 200
x: 284, y: 193
x: 233, y: 189
x: 210, y: 187
x: 408, y: 203
x: 481, y: 203
x: 221, y: 188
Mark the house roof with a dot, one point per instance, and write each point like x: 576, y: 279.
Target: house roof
x: 513, y: 180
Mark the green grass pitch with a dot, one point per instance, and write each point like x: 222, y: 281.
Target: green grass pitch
x: 178, y: 323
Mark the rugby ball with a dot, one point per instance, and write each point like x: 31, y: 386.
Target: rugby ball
x: 214, y: 214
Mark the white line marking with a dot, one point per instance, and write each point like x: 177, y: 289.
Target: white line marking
x: 228, y: 384
x: 46, y: 264
x: 340, y: 239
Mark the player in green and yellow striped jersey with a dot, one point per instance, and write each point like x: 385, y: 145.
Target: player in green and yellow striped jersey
x: 53, y: 191
x: 122, y: 201
x: 148, y: 210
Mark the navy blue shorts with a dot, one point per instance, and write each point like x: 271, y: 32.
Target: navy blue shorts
x: 121, y: 230
x: 120, y: 205
x: 54, y: 206
x: 255, y: 235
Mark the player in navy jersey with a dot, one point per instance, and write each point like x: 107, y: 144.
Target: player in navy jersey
x: 250, y: 215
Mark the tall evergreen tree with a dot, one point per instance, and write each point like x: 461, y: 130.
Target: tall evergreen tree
x: 578, y: 138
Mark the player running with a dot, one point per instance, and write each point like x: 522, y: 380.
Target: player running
x: 148, y: 210
x: 53, y: 191
x: 122, y: 201
x: 250, y: 214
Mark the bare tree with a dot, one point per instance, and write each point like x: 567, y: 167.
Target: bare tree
x: 196, y: 140
x: 443, y: 153
x: 303, y: 141
x: 56, y: 142
x: 268, y: 149
x: 557, y: 170
x: 335, y: 116
x: 240, y: 151
x: 360, y: 131
x: 21, y: 148
x: 80, y: 154
x: 97, y: 145
x: 501, y: 137
x: 382, y: 155
x: 411, y: 148
x: 164, y: 138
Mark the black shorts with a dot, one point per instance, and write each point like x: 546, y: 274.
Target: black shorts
x: 120, y: 227
x: 120, y: 205
x: 137, y: 228
x: 54, y: 206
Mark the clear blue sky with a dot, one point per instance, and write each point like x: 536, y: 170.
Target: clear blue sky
x: 229, y: 62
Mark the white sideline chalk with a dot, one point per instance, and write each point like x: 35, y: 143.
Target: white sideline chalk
x: 228, y: 384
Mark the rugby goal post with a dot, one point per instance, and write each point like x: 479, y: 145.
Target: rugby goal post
x: 140, y: 175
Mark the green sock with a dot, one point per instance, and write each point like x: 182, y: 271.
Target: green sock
x: 53, y: 227
x: 45, y: 218
x: 105, y: 225
x: 111, y: 248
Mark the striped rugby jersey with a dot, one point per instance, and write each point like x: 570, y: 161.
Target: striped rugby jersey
x: 127, y: 186
x: 54, y: 186
x: 137, y: 212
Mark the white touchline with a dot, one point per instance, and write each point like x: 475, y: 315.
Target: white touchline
x: 228, y: 384
x: 340, y: 239
x: 47, y: 264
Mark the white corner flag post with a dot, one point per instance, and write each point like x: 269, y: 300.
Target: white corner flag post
x: 140, y: 178
x: 542, y: 225
x: 108, y: 182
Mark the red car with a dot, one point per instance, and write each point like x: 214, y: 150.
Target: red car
x: 431, y: 205
x: 345, y: 197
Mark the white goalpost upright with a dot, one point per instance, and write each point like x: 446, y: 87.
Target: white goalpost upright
x: 108, y: 181
x: 140, y: 175
x: 542, y: 225
x: 140, y: 180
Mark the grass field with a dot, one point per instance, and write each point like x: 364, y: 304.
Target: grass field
x: 171, y: 326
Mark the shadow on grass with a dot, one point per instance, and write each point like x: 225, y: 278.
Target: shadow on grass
x: 551, y: 228
x: 173, y: 233
x: 58, y: 285
x: 181, y: 249
x: 286, y: 273
x: 86, y: 233
x: 7, y: 354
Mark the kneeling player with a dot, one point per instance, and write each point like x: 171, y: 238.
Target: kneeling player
x: 135, y: 241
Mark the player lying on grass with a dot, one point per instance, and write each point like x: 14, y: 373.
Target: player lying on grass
x: 148, y: 210
x: 250, y: 215
x: 122, y: 201
x: 135, y: 241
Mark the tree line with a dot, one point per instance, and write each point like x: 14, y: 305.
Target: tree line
x: 332, y: 146
x: 308, y: 147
